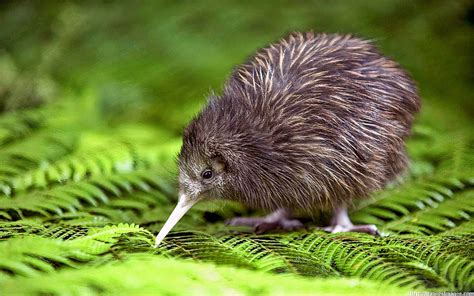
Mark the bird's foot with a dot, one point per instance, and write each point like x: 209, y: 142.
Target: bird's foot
x: 368, y: 228
x: 340, y: 222
x: 276, y: 220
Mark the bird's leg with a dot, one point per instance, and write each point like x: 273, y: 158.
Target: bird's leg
x: 279, y: 219
x: 340, y: 222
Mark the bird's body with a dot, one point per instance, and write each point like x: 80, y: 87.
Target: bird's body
x: 311, y: 122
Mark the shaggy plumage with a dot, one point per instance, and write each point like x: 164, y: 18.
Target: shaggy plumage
x: 310, y: 122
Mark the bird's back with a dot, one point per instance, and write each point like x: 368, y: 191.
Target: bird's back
x: 330, y: 108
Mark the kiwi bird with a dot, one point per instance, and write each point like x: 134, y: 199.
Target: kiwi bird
x: 312, y: 122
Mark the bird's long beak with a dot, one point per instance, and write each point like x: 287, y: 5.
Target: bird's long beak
x: 184, y: 204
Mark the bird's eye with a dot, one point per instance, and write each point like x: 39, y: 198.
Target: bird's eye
x: 207, y: 174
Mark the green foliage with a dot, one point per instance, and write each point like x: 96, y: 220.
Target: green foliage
x: 88, y: 178
x: 63, y: 209
x: 170, y: 277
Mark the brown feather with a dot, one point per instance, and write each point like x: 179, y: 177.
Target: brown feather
x: 309, y: 122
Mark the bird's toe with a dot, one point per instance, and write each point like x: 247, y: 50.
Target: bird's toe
x: 291, y: 224
x: 368, y: 228
x: 243, y: 221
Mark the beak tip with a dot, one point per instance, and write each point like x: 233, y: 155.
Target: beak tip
x: 181, y: 208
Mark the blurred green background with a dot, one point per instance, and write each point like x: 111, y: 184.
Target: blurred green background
x: 157, y: 60
x: 94, y: 96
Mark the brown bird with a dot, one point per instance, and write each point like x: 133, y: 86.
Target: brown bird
x: 312, y: 122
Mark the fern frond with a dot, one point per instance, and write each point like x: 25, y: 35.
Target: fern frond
x: 155, y: 275
x: 453, y: 267
x: 261, y: 253
x: 439, y: 218
x: 92, y: 158
x: 71, y: 197
x: 19, y: 124
x: 25, y: 227
x: 360, y: 256
x: 30, y: 255
x: 35, y: 151
x: 75, y: 167
x: 393, y: 204
x: 100, y: 240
